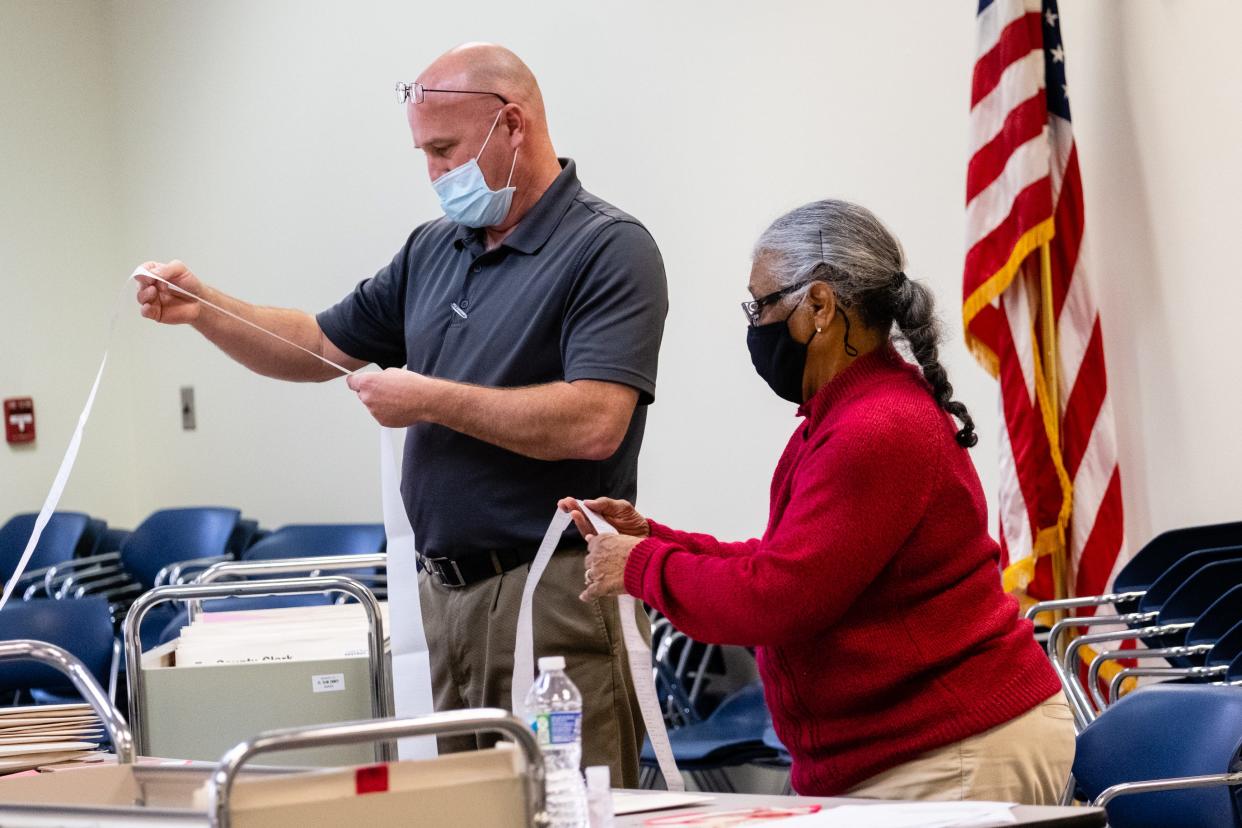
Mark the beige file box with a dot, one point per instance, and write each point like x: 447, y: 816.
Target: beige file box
x: 200, y: 712
x: 484, y: 788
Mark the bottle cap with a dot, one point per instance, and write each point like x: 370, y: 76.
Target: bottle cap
x: 549, y: 663
x: 598, y: 778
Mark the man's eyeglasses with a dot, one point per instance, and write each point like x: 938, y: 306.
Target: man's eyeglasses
x: 415, y: 92
x: 754, y: 308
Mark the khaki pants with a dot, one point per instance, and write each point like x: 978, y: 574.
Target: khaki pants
x: 471, y: 631
x: 1026, y: 760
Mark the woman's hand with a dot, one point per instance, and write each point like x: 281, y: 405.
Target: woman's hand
x: 605, y: 565
x: 621, y: 514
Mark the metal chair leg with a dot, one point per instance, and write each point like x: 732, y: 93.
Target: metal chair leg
x: 1067, y: 796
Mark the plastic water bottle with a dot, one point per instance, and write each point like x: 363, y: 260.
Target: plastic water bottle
x: 554, y: 710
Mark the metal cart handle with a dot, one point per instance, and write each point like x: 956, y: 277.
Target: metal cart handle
x: 282, y: 566
x: 381, y: 688
x: 219, y: 786
x: 84, y: 682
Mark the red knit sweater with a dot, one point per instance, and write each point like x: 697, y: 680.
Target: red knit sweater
x: 874, y: 598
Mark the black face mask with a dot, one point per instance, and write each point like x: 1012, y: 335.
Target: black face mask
x: 778, y: 357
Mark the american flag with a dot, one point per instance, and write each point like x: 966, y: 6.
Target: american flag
x: 1029, y: 314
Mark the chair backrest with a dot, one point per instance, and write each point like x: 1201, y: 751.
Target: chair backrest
x: 83, y: 627
x: 1178, y: 573
x: 1158, y: 732
x: 744, y: 710
x: 1218, y: 619
x: 173, y: 535
x: 1166, y: 549
x: 245, y: 533
x: 1227, y: 648
x: 112, y: 540
x: 1200, y: 591
x: 675, y: 704
x: 58, y: 543
x: 317, y: 539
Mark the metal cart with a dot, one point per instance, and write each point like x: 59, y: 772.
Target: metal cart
x: 139, y: 701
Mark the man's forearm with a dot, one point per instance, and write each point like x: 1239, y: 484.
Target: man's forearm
x: 256, y: 350
x: 556, y: 421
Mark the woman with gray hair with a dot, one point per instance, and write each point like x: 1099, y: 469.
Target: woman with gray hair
x: 893, y: 663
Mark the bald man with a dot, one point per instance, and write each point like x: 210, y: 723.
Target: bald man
x: 528, y: 320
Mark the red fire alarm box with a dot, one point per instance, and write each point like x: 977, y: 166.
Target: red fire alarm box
x: 19, y: 420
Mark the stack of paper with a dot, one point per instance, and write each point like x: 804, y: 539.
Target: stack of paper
x: 283, y: 634
x: 46, y: 734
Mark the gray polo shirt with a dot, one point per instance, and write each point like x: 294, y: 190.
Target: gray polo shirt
x: 577, y: 291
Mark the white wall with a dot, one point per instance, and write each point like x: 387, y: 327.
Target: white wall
x: 60, y: 272
x: 261, y: 143
x: 1158, y: 119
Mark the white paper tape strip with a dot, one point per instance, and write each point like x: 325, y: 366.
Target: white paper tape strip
x: 524, y: 641
x: 66, y: 464
x: 638, y: 652
x: 58, y: 484
x: 411, y: 661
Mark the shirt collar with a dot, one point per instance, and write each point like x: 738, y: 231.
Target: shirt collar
x: 537, y: 225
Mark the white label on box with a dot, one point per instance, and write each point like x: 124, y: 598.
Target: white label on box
x: 330, y: 683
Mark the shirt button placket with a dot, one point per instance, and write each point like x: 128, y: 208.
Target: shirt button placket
x: 475, y: 269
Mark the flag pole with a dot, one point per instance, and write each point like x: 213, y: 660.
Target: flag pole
x: 1052, y: 381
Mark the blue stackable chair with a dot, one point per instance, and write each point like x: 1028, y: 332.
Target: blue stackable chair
x: 83, y: 627
x: 1163, y: 617
x: 1166, y: 550
x: 732, y: 735
x: 1165, y: 732
x: 296, y: 541
x: 307, y: 540
x: 66, y: 535
x: 176, y: 536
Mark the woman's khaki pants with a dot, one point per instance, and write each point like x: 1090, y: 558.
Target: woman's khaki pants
x: 1026, y: 760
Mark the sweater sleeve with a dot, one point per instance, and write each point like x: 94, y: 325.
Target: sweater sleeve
x: 855, y: 499
x: 702, y: 544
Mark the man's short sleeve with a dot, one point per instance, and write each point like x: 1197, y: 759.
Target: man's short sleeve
x: 369, y: 323
x: 615, y: 316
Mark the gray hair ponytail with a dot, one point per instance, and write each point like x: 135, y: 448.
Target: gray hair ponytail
x: 846, y: 246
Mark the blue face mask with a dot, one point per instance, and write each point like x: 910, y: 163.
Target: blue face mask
x: 465, y: 196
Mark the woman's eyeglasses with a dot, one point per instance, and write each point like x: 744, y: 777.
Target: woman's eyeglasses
x: 754, y: 308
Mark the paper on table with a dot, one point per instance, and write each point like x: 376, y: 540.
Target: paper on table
x: 411, y: 661
x: 44, y: 747
x: 634, y: 802
x: 46, y: 710
x: 909, y: 815
x: 27, y: 761
x: 19, y: 739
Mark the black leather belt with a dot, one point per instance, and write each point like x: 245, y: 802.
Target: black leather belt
x: 463, y: 570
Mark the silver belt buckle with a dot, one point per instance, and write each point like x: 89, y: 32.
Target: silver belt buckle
x: 439, y: 569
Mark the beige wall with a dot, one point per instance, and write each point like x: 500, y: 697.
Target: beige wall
x: 260, y: 142
x: 60, y: 272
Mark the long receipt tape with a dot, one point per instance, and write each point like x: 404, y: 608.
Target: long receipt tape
x: 638, y: 652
